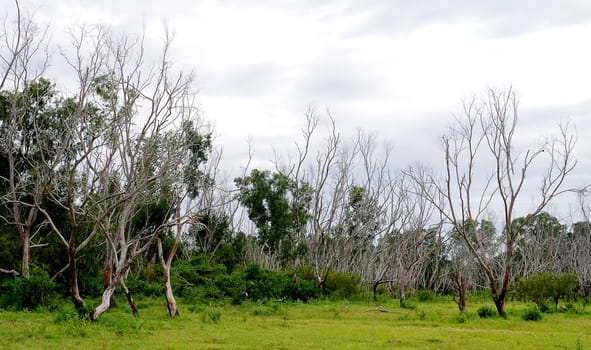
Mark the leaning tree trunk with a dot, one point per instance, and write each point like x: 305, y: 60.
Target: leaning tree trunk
x: 108, y: 294
x: 105, y: 301
x: 375, y: 290
x: 130, y: 300
x: 108, y: 271
x: 173, y: 309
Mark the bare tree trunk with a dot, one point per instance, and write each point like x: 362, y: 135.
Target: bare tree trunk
x: 105, y: 301
x: 375, y: 290
x: 391, y: 289
x: 73, y: 282
x: 500, y: 305
x: 173, y: 309
x: 130, y: 300
x: 108, y: 270
x: 462, y: 289
x: 401, y: 288
x: 25, y: 251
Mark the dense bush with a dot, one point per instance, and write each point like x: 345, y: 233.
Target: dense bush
x: 532, y: 314
x: 254, y: 283
x: 485, y: 312
x: 21, y: 293
x: 230, y: 286
x: 144, y: 287
x: 425, y: 295
x: 343, y: 284
x: 299, y: 288
x: 546, y: 286
x: 188, y: 275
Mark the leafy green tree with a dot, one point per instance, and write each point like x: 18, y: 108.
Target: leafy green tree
x: 546, y: 286
x: 278, y: 206
x: 31, y: 128
x: 541, y: 246
x: 212, y: 237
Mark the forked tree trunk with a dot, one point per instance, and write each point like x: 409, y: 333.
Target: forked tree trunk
x: 500, y: 305
x: 402, y: 295
x: 108, y: 294
x: 391, y: 289
x: 320, y: 278
x: 462, y: 289
x: 105, y: 301
x: 173, y: 309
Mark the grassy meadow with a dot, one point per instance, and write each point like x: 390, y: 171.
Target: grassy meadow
x: 316, y: 325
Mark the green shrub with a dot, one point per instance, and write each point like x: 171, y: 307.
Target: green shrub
x: 425, y: 295
x: 343, y: 284
x: 21, y: 293
x: 486, y: 312
x: 194, y: 272
x: 145, y: 287
x: 214, y: 315
x: 65, y: 315
x: 532, y: 314
x: 463, y: 317
x: 231, y: 286
x: 295, y: 287
x: 544, y: 286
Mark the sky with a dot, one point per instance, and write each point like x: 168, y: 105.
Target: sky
x: 400, y: 69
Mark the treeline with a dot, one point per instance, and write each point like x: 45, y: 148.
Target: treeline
x: 116, y: 182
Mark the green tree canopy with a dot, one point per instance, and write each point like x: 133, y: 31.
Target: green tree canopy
x: 278, y: 206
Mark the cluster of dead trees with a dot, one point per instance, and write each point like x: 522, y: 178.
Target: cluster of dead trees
x: 125, y: 158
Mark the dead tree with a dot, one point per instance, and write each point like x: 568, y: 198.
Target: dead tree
x: 484, y: 138
x: 23, y: 60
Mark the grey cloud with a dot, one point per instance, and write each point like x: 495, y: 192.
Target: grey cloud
x: 501, y: 18
x: 338, y: 77
x: 249, y: 81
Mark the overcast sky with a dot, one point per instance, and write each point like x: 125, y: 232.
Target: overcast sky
x: 399, y: 68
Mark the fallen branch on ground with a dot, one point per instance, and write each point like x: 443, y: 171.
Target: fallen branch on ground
x: 380, y: 309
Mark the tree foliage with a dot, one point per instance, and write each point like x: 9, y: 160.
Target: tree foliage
x: 278, y: 206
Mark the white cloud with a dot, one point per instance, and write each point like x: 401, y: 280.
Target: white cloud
x: 397, y: 67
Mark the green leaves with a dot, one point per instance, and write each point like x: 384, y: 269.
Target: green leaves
x: 199, y: 146
x: 543, y: 286
x: 278, y: 205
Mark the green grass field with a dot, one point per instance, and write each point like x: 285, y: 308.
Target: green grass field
x: 317, y: 325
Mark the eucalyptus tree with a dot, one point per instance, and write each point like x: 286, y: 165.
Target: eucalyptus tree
x: 580, y: 245
x: 28, y: 122
x: 197, y: 181
x: 329, y: 177
x: 149, y: 106
x: 542, y: 246
x: 413, y: 237
x: 278, y: 206
x: 463, y: 266
x: 578, y: 255
x: 484, y: 137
